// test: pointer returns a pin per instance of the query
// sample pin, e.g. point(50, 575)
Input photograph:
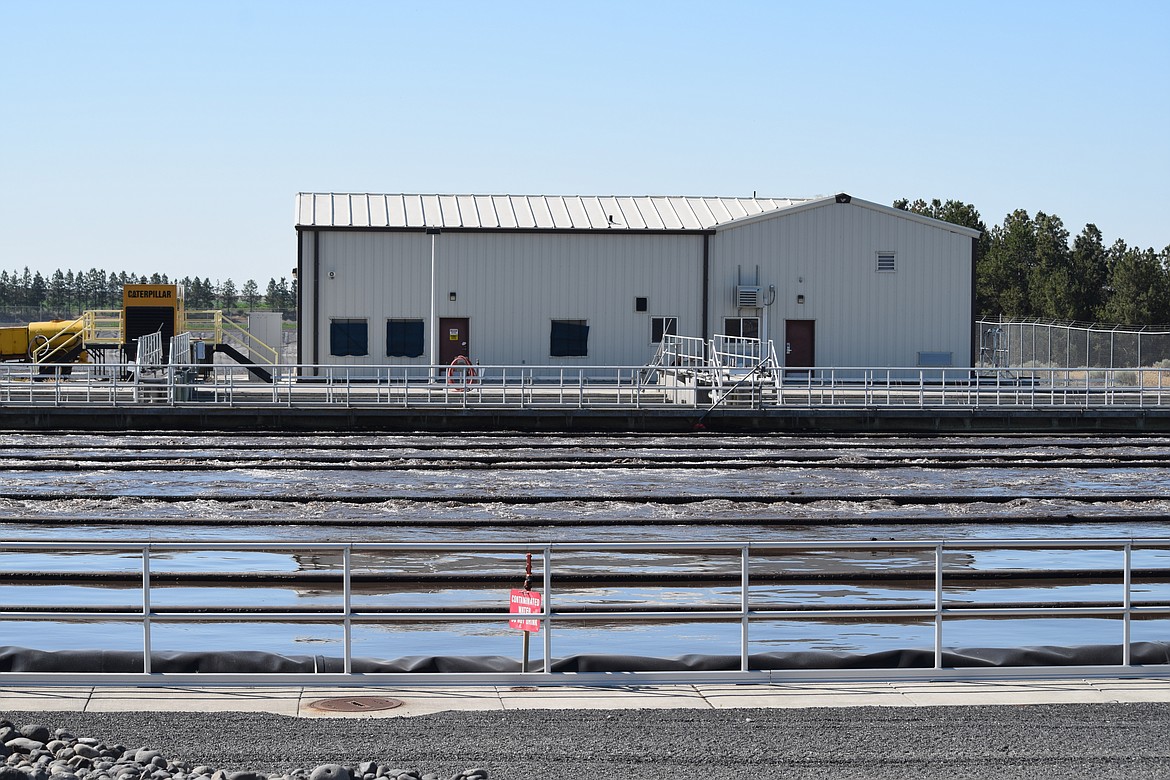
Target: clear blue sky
point(173, 136)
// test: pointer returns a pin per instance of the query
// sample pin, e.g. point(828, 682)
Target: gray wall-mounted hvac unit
point(749, 296)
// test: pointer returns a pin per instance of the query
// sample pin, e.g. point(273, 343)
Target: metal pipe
point(347, 609)
point(146, 644)
point(546, 608)
point(938, 606)
point(1127, 603)
point(745, 606)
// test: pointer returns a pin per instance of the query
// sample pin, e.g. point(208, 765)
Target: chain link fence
point(1047, 344)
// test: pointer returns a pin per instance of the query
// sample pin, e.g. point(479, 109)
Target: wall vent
point(749, 296)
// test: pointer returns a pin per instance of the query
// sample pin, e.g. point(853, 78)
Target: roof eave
point(846, 199)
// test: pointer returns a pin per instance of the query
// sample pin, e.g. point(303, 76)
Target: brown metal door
point(454, 339)
point(799, 343)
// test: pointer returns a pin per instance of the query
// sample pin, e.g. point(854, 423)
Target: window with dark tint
point(404, 338)
point(744, 327)
point(568, 338)
point(662, 326)
point(348, 337)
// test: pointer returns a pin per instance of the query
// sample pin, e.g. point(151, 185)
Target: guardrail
point(214, 326)
point(741, 562)
point(592, 387)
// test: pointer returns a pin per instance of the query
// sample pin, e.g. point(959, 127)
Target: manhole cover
point(356, 704)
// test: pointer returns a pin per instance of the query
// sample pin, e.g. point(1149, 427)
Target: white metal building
point(584, 280)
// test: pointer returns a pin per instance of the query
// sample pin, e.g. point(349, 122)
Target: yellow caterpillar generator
point(112, 337)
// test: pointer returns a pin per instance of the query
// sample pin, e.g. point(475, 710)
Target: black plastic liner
point(19, 659)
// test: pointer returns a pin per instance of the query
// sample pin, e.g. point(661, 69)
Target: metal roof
point(529, 212)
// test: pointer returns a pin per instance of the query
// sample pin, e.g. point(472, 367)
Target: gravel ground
point(1053, 741)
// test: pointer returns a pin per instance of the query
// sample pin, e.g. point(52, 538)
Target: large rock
point(25, 744)
point(330, 772)
point(37, 732)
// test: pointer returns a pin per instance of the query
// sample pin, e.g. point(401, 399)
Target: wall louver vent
point(748, 296)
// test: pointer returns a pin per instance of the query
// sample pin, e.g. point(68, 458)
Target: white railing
point(741, 566)
point(738, 352)
point(589, 387)
point(149, 353)
point(681, 352)
point(180, 349)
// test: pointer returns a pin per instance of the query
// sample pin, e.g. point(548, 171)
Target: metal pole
point(547, 602)
point(146, 610)
point(1127, 604)
point(744, 606)
point(526, 634)
point(938, 605)
point(347, 593)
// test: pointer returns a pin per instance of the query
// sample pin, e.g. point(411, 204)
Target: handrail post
point(347, 606)
point(146, 610)
point(745, 605)
point(547, 602)
point(1127, 605)
point(938, 605)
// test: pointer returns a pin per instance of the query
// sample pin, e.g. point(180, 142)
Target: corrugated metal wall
point(863, 317)
point(511, 286)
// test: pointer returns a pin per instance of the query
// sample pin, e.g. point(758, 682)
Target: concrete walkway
point(299, 702)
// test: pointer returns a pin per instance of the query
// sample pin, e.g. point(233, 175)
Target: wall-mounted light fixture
point(800, 299)
point(451, 296)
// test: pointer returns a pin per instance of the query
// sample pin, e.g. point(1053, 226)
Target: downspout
point(706, 285)
point(434, 323)
point(974, 302)
point(316, 299)
point(300, 273)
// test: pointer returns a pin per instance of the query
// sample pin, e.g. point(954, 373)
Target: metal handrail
point(223, 330)
point(745, 613)
point(600, 387)
point(103, 326)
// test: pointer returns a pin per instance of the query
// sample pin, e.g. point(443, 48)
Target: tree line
point(66, 294)
point(1031, 266)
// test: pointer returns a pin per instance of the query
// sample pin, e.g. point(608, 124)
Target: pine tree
point(251, 294)
point(228, 295)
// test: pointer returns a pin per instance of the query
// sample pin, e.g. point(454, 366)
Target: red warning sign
point(524, 602)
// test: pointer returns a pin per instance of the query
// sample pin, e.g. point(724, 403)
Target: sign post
point(525, 601)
